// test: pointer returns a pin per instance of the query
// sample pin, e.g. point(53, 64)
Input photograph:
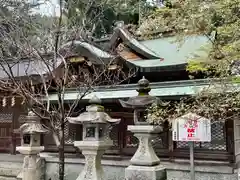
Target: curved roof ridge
point(137, 46)
point(93, 49)
point(86, 49)
point(131, 42)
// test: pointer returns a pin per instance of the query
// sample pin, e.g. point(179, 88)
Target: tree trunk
point(61, 155)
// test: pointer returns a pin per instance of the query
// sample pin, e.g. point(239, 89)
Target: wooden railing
point(125, 144)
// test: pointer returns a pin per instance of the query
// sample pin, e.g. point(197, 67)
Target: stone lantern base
point(93, 151)
point(145, 165)
point(33, 164)
point(133, 172)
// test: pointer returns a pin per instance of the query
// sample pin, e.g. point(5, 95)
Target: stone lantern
point(96, 127)
point(140, 102)
point(144, 163)
point(31, 132)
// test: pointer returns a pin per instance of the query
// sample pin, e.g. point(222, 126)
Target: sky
point(48, 8)
point(51, 7)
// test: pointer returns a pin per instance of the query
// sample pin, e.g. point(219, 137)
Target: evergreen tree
point(186, 17)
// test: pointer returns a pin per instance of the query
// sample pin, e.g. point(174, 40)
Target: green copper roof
point(159, 92)
point(138, 46)
point(164, 89)
point(173, 52)
point(151, 63)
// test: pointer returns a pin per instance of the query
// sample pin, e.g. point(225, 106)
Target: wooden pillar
point(236, 126)
point(170, 145)
point(14, 126)
point(121, 135)
point(230, 138)
point(15, 109)
point(13, 137)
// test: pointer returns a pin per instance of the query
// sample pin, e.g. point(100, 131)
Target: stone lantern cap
point(94, 114)
point(143, 98)
point(32, 125)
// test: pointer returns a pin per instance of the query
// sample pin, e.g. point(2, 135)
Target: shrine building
point(163, 62)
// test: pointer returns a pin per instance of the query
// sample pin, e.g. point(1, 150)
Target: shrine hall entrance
point(6, 132)
point(8, 139)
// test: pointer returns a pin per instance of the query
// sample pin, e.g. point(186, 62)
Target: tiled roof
point(172, 53)
point(28, 68)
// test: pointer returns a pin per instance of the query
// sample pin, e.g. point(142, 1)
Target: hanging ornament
point(23, 101)
point(13, 101)
point(4, 102)
point(32, 86)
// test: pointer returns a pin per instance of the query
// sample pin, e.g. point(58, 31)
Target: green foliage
point(201, 17)
point(99, 16)
point(22, 31)
point(236, 79)
point(213, 105)
point(157, 114)
point(194, 66)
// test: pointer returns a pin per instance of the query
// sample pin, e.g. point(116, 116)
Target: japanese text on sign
point(192, 127)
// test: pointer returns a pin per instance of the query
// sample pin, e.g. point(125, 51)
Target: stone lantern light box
point(31, 131)
point(140, 102)
point(96, 123)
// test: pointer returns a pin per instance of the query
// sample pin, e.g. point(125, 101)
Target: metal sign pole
point(192, 172)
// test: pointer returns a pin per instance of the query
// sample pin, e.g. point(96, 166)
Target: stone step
point(9, 172)
point(7, 178)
